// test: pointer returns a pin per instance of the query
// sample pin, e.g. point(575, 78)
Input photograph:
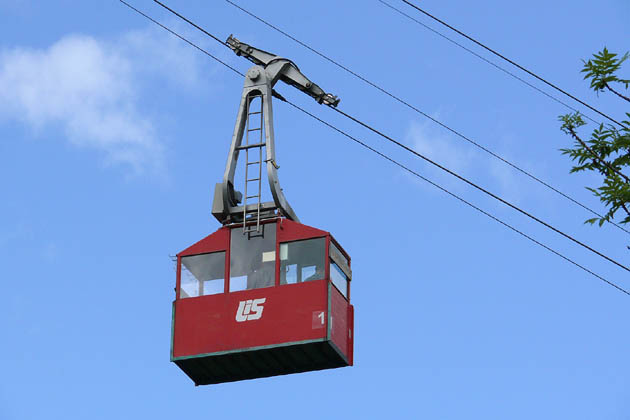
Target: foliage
point(607, 152)
point(601, 70)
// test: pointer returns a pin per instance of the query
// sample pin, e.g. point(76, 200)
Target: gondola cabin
point(264, 295)
point(268, 302)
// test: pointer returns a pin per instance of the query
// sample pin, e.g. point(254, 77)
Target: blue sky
point(114, 133)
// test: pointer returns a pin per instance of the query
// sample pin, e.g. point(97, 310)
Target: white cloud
point(460, 157)
point(442, 149)
point(506, 179)
point(91, 87)
point(158, 53)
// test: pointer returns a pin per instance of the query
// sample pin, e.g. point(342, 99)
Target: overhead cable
point(478, 187)
point(190, 22)
point(402, 166)
point(479, 56)
point(184, 39)
point(485, 191)
point(531, 73)
point(496, 219)
point(417, 110)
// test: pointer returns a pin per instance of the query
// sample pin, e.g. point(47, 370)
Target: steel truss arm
point(230, 206)
point(290, 74)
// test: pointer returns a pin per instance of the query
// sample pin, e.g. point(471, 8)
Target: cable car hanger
point(229, 205)
point(262, 260)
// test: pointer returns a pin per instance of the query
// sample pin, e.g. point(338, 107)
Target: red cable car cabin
point(264, 295)
point(260, 304)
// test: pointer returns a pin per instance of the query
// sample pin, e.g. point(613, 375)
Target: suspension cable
point(485, 191)
point(399, 164)
point(531, 73)
point(417, 110)
point(481, 57)
point(496, 219)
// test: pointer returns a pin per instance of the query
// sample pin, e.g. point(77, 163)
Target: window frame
point(228, 263)
point(336, 267)
point(279, 239)
point(343, 264)
point(178, 286)
point(279, 258)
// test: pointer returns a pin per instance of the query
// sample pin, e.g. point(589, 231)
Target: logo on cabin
point(249, 310)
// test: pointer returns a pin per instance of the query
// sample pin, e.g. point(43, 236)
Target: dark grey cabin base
point(262, 362)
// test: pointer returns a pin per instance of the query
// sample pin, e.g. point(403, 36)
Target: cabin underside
point(262, 362)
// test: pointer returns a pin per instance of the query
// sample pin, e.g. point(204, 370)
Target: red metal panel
point(351, 335)
point(293, 231)
point(194, 323)
point(339, 311)
point(209, 324)
point(218, 241)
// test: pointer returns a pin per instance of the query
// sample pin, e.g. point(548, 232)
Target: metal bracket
point(290, 75)
point(259, 82)
point(273, 162)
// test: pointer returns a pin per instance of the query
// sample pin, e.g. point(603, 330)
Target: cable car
point(264, 295)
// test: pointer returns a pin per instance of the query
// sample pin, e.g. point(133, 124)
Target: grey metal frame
point(259, 82)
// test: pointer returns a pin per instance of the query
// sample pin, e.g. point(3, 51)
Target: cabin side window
point(339, 279)
point(253, 258)
point(202, 275)
point(340, 272)
point(302, 261)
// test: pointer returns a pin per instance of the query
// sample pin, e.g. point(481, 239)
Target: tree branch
point(596, 157)
point(616, 93)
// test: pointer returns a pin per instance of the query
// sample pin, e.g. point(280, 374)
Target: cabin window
point(337, 255)
point(253, 258)
point(339, 270)
point(339, 279)
point(302, 261)
point(202, 275)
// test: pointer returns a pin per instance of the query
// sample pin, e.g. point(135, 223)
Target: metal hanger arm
point(283, 69)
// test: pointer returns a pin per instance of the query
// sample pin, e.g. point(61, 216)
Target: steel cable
point(512, 62)
point(419, 111)
point(485, 191)
point(479, 56)
point(401, 165)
